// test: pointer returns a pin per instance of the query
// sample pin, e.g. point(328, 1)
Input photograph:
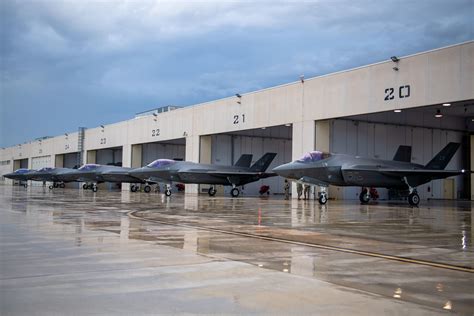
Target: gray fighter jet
point(324, 169)
point(59, 176)
point(93, 174)
point(166, 170)
point(22, 175)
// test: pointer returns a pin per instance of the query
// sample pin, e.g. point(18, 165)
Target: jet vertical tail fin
point(403, 154)
point(441, 160)
point(262, 164)
point(244, 161)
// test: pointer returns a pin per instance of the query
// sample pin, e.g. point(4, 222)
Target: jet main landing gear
point(168, 190)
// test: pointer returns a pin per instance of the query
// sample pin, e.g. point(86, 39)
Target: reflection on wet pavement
point(439, 232)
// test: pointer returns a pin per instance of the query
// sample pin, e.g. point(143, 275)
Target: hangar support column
point(307, 136)
point(198, 149)
point(59, 161)
point(192, 154)
point(91, 156)
point(303, 141)
point(126, 162)
point(136, 161)
point(471, 168)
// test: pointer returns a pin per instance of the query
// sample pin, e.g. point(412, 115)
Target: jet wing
point(435, 174)
point(396, 172)
point(226, 174)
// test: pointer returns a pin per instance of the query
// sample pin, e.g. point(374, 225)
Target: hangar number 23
point(403, 92)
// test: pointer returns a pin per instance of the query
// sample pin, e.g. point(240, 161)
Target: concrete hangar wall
point(292, 119)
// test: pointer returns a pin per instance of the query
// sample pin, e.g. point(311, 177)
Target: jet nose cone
point(282, 170)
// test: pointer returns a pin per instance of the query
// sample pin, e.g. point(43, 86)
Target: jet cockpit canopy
point(89, 167)
point(45, 169)
point(314, 156)
point(21, 171)
point(160, 163)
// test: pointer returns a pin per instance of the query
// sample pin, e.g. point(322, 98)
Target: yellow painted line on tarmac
point(133, 215)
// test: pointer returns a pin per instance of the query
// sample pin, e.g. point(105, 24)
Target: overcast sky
point(66, 64)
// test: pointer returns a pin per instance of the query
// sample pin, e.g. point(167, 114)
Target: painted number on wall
point(239, 119)
point(403, 92)
point(103, 141)
point(155, 132)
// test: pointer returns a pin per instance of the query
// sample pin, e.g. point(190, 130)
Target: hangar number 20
point(403, 92)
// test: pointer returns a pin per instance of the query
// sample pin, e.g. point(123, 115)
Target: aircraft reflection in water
point(324, 169)
point(166, 170)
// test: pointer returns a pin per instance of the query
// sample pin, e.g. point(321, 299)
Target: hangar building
point(424, 100)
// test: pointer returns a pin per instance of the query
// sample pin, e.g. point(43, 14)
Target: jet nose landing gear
point(323, 196)
point(212, 191)
point(414, 198)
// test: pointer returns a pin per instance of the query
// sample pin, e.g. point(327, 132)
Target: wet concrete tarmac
point(73, 251)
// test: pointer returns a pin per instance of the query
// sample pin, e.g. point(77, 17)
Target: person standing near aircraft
point(306, 192)
point(287, 190)
point(299, 190)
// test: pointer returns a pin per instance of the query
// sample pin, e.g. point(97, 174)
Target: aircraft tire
point(147, 189)
point(94, 188)
point(51, 187)
point(234, 192)
point(322, 199)
point(414, 199)
point(25, 185)
point(62, 185)
point(364, 198)
point(55, 185)
point(168, 192)
point(133, 188)
point(212, 191)
point(85, 186)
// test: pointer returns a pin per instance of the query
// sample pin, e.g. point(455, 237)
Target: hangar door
point(38, 163)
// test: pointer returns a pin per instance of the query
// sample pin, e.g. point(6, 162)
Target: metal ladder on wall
point(80, 145)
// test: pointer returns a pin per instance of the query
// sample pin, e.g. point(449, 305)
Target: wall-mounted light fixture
point(240, 97)
point(446, 104)
point(395, 59)
point(397, 111)
point(438, 113)
point(288, 124)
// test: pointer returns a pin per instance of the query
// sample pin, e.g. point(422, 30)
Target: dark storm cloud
point(84, 63)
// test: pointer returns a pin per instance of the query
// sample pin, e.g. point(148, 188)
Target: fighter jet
point(94, 173)
point(166, 170)
point(22, 175)
point(324, 169)
point(59, 176)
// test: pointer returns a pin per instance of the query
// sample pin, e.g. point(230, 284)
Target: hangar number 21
point(239, 119)
point(403, 92)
